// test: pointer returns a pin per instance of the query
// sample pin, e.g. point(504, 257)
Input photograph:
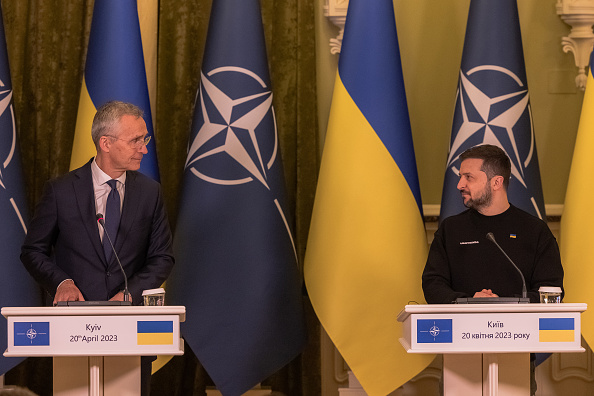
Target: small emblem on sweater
point(512, 236)
point(469, 243)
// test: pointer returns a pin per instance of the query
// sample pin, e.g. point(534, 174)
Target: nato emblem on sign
point(493, 107)
point(434, 331)
point(31, 333)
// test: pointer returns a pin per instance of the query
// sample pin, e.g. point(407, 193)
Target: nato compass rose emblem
point(31, 334)
point(233, 123)
point(7, 126)
point(498, 114)
point(237, 142)
point(434, 331)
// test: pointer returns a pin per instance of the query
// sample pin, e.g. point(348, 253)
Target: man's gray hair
point(108, 115)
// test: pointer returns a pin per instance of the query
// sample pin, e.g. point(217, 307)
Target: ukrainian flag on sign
point(556, 330)
point(154, 332)
point(114, 70)
point(367, 244)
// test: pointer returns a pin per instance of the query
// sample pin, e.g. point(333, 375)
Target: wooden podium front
point(96, 349)
point(487, 347)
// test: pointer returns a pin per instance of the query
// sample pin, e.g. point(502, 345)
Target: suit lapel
point(85, 197)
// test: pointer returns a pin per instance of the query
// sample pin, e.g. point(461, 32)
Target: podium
point(486, 347)
point(96, 349)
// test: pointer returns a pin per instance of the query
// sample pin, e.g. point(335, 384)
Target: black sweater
point(462, 261)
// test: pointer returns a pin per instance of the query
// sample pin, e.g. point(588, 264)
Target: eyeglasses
point(134, 143)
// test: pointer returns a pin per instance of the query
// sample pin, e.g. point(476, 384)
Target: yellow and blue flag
point(154, 332)
point(493, 105)
point(556, 330)
point(236, 267)
point(17, 287)
point(575, 235)
point(114, 70)
point(367, 244)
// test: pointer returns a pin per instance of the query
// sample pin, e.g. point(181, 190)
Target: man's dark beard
point(482, 201)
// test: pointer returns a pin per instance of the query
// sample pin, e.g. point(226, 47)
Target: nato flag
point(493, 106)
point(17, 288)
point(236, 268)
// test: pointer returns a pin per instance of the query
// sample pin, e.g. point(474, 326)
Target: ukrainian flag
point(575, 236)
point(115, 70)
point(154, 332)
point(556, 330)
point(367, 244)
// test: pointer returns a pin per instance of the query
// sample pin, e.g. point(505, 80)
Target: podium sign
point(97, 335)
point(486, 346)
point(96, 349)
point(497, 328)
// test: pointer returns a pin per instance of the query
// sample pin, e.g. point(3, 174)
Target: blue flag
point(17, 288)
point(236, 268)
point(114, 70)
point(493, 106)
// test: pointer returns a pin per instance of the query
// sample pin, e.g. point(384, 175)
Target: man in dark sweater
point(462, 262)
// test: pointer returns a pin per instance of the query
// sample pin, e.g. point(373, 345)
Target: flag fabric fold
point(236, 268)
point(575, 235)
point(493, 105)
point(114, 70)
point(17, 287)
point(367, 243)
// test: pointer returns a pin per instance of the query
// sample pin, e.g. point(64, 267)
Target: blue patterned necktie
point(112, 218)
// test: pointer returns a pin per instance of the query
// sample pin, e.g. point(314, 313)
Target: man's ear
point(497, 182)
point(104, 143)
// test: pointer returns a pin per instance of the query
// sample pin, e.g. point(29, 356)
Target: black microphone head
point(490, 236)
point(99, 217)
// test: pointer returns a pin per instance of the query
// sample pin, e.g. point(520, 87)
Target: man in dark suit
point(63, 249)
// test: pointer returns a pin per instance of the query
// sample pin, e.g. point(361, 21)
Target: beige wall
point(431, 36)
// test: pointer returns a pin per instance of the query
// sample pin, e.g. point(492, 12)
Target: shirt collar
point(100, 177)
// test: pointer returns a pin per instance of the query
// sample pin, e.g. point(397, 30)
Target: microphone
point(491, 237)
point(126, 291)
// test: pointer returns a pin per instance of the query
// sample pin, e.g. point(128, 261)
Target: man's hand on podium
point(67, 291)
point(485, 293)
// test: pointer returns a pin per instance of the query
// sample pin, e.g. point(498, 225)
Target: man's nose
point(461, 184)
point(143, 149)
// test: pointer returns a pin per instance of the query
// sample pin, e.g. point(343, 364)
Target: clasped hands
point(485, 293)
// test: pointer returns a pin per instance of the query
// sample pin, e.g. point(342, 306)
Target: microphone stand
point(491, 237)
point(126, 291)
